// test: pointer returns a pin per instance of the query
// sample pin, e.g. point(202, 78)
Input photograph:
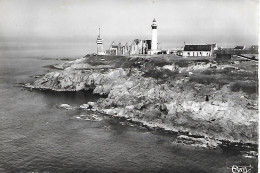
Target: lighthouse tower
point(154, 48)
point(100, 45)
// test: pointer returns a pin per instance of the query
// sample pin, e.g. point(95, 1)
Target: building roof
point(114, 46)
point(239, 47)
point(197, 48)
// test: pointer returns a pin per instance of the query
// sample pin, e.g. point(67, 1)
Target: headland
point(213, 102)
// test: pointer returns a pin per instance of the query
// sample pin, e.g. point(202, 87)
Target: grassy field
point(239, 76)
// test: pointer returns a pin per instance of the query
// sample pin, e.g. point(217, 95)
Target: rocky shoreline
point(248, 150)
point(166, 95)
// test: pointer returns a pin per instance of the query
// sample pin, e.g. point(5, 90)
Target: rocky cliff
point(183, 96)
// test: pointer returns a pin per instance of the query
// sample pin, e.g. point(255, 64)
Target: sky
point(75, 23)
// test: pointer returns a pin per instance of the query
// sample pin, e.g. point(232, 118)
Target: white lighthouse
point(154, 48)
point(100, 50)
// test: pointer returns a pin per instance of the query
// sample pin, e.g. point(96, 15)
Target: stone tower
point(154, 48)
point(100, 50)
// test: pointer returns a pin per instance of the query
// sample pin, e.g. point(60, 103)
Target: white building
point(100, 50)
point(113, 49)
point(198, 50)
point(154, 48)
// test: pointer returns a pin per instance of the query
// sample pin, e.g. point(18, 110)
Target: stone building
point(138, 47)
point(126, 49)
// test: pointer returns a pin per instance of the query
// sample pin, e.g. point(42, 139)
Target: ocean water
point(36, 135)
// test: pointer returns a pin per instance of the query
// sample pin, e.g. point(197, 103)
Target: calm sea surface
point(38, 136)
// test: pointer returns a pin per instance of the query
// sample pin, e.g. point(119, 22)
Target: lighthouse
point(100, 45)
point(154, 48)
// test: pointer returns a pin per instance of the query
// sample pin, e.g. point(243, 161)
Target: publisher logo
point(241, 169)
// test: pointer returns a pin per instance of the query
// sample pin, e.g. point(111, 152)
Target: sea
point(37, 135)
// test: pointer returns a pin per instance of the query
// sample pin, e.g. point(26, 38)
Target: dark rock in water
point(238, 146)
